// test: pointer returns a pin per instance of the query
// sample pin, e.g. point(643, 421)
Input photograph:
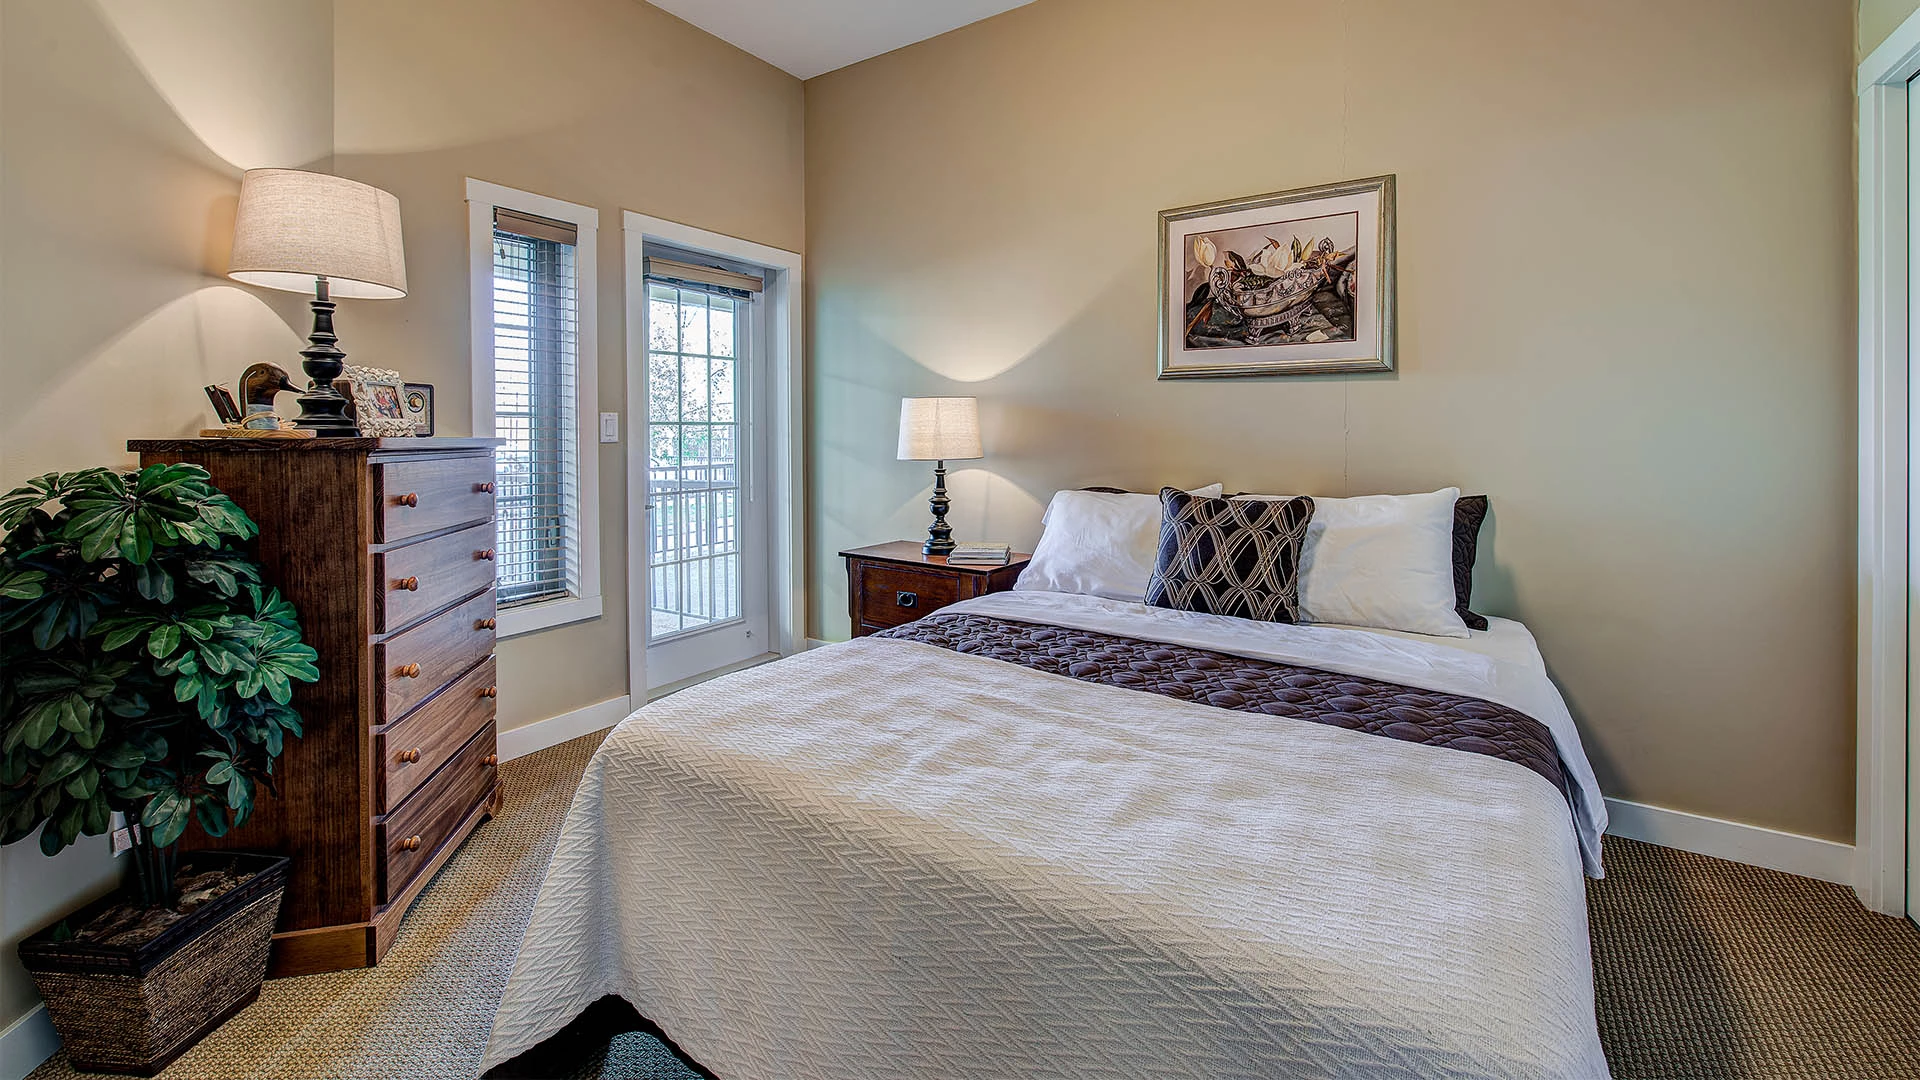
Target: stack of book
point(979, 555)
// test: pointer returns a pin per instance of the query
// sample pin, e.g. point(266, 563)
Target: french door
point(706, 522)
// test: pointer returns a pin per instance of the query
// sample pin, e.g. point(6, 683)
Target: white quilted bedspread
point(883, 859)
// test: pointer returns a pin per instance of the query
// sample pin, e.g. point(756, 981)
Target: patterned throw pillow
point(1238, 557)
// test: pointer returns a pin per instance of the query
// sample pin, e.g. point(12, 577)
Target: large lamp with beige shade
point(301, 231)
point(939, 429)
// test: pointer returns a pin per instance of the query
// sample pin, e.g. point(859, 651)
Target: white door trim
point(786, 417)
point(1880, 787)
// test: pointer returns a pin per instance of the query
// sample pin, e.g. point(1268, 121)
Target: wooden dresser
point(385, 547)
point(896, 583)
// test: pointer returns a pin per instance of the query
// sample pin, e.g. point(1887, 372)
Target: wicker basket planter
point(134, 1009)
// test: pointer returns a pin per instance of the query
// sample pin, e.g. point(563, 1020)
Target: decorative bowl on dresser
point(891, 584)
point(385, 545)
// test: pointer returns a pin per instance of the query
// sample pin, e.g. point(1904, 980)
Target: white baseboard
point(816, 643)
point(1756, 845)
point(554, 730)
point(26, 1043)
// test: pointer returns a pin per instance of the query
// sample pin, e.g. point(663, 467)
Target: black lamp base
point(322, 408)
point(939, 534)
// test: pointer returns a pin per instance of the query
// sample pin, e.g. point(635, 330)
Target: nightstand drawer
point(892, 595)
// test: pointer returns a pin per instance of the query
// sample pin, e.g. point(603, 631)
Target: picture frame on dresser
point(385, 546)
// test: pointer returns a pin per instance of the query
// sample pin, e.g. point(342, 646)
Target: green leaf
point(61, 766)
point(22, 584)
point(165, 817)
point(164, 640)
point(84, 783)
point(37, 726)
point(211, 816)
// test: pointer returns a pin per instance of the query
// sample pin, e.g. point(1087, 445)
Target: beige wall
point(1625, 313)
point(124, 129)
point(1876, 20)
point(617, 105)
point(122, 138)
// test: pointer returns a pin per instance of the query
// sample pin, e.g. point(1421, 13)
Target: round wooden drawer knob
point(410, 584)
point(411, 843)
point(409, 757)
point(487, 554)
point(493, 760)
point(485, 624)
point(409, 499)
point(486, 487)
point(409, 671)
point(491, 691)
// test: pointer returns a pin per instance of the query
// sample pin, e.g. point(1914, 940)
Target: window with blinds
point(536, 362)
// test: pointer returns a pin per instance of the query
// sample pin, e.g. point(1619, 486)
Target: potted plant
point(145, 669)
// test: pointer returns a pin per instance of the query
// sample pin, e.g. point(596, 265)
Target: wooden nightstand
point(890, 584)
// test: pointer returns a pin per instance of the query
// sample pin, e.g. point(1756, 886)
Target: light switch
point(609, 427)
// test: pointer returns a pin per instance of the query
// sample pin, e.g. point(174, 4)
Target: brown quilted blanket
point(1249, 685)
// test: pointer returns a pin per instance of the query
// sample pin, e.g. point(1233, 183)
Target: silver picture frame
point(1286, 309)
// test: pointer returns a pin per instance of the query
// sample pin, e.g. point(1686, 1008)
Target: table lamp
point(939, 429)
point(301, 231)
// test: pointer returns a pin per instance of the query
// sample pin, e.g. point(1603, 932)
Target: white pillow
point(1098, 544)
point(1384, 561)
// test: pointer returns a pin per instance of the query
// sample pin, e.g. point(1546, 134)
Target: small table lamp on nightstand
point(939, 429)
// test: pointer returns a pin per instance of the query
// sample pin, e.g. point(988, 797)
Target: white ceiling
point(811, 37)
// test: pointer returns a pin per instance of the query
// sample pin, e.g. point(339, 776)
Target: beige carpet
point(1704, 969)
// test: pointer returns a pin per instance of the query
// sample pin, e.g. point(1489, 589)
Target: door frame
point(786, 413)
point(1886, 411)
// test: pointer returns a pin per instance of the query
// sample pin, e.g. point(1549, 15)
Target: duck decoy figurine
point(258, 385)
point(260, 382)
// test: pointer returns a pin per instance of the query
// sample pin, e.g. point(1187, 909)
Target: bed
point(962, 850)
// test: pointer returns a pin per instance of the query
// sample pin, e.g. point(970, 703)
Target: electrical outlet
point(120, 836)
point(609, 427)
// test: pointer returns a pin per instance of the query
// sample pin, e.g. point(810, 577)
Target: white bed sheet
point(1501, 664)
point(885, 859)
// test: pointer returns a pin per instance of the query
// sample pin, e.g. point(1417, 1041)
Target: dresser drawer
point(419, 662)
point(412, 749)
point(420, 579)
point(891, 595)
point(411, 836)
point(419, 497)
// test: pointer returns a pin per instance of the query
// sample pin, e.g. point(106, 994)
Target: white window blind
point(536, 361)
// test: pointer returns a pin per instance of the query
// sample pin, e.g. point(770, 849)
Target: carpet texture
point(1704, 969)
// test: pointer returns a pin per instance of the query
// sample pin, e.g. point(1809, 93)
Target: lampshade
point(939, 428)
point(293, 227)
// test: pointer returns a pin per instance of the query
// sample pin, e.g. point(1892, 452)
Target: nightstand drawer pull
point(906, 599)
point(407, 584)
point(411, 498)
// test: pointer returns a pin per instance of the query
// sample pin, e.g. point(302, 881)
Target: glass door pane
point(693, 466)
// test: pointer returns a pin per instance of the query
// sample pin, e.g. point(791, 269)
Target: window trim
point(482, 198)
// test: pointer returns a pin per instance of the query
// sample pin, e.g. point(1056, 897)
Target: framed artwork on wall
point(1293, 283)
